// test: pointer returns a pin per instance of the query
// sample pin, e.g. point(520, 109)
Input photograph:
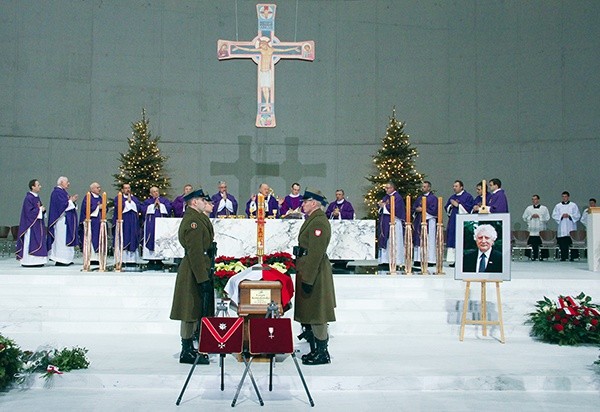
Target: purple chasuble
point(464, 199)
point(384, 219)
point(94, 220)
point(290, 203)
point(177, 206)
point(345, 208)
point(37, 228)
point(216, 199)
point(273, 206)
point(431, 206)
point(497, 202)
point(131, 223)
point(59, 201)
point(149, 219)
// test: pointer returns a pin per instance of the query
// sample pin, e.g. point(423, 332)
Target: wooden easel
point(483, 322)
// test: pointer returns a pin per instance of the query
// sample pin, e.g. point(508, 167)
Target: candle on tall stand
point(392, 238)
point(88, 205)
point(120, 206)
point(408, 244)
point(483, 208)
point(424, 247)
point(103, 205)
point(260, 228)
point(392, 210)
point(423, 209)
point(439, 241)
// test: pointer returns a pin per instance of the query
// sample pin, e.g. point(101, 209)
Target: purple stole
point(273, 206)
point(497, 202)
point(149, 219)
point(216, 199)
point(131, 224)
point(384, 219)
point(37, 229)
point(466, 200)
point(59, 201)
point(431, 206)
point(290, 203)
point(346, 210)
point(95, 221)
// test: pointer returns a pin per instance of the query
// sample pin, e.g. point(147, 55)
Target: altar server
point(31, 248)
point(566, 214)
point(62, 224)
point(497, 201)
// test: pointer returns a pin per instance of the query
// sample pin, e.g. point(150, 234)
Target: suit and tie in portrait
point(485, 258)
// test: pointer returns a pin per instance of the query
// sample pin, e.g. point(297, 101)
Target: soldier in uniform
point(315, 294)
point(193, 287)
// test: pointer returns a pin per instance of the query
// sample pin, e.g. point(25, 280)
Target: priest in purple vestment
point(292, 203)
point(461, 202)
point(178, 203)
point(341, 209)
point(155, 206)
point(497, 201)
point(271, 203)
point(478, 199)
point(95, 218)
point(132, 208)
point(384, 225)
point(62, 224)
point(431, 212)
point(224, 203)
point(31, 248)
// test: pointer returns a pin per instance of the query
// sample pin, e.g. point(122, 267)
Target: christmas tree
point(394, 163)
point(142, 165)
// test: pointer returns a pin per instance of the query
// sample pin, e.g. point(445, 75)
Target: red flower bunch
point(569, 321)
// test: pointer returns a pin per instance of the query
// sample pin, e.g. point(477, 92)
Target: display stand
point(483, 322)
point(269, 336)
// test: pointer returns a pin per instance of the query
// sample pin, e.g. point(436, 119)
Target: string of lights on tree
point(395, 162)
point(142, 165)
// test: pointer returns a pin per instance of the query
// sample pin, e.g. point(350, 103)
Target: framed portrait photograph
point(483, 246)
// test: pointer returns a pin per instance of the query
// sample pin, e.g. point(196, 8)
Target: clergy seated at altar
point(62, 224)
point(290, 207)
point(341, 209)
point(155, 206)
point(95, 217)
point(131, 208)
point(271, 203)
point(178, 204)
point(224, 203)
point(31, 248)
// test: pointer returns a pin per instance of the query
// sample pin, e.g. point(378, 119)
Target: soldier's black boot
point(188, 353)
point(310, 338)
point(321, 356)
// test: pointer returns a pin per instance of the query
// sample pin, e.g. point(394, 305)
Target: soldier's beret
point(314, 195)
point(195, 195)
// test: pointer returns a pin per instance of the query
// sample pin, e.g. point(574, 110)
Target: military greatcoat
point(314, 269)
point(196, 236)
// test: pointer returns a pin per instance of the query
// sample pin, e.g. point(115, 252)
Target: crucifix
point(266, 50)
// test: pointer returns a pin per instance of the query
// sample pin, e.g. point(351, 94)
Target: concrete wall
point(507, 89)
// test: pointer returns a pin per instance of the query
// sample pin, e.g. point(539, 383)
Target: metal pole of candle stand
point(424, 238)
point(439, 241)
point(118, 250)
point(102, 246)
point(87, 245)
point(408, 243)
point(392, 238)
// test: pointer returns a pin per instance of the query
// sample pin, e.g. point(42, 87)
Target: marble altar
point(350, 239)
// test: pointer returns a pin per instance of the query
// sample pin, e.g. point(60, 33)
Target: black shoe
point(321, 355)
point(383, 266)
point(451, 265)
point(94, 262)
point(63, 264)
point(33, 266)
point(430, 265)
point(188, 353)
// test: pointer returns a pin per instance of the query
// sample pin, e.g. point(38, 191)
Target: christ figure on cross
point(266, 50)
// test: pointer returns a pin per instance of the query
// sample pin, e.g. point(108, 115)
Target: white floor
point(395, 346)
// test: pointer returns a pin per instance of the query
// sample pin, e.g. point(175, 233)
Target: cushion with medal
point(221, 335)
point(270, 335)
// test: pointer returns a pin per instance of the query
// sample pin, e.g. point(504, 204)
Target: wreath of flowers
point(568, 321)
point(228, 266)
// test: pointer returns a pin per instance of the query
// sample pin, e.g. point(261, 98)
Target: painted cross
point(266, 50)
